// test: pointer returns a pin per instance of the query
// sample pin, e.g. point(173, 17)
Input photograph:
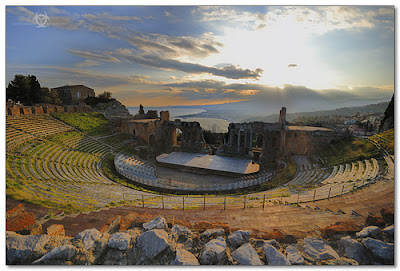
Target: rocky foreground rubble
point(128, 240)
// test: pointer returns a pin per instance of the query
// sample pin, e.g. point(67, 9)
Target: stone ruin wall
point(241, 136)
point(308, 142)
point(17, 110)
point(277, 141)
point(192, 134)
point(162, 132)
point(144, 130)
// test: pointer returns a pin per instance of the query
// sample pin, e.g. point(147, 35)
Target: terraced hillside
point(51, 164)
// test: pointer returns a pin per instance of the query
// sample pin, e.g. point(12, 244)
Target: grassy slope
point(89, 123)
point(348, 150)
point(386, 140)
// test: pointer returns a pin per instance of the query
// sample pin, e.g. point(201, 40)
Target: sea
point(216, 125)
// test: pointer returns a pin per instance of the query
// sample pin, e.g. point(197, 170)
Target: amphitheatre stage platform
point(211, 163)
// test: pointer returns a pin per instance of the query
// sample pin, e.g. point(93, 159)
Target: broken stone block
point(56, 230)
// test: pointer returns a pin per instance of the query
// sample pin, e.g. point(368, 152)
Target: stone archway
point(21, 111)
point(177, 137)
point(9, 112)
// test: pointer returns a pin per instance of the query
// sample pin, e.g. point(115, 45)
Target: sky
point(197, 55)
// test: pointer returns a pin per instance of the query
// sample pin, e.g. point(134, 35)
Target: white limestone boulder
point(19, 248)
point(63, 253)
point(389, 230)
point(152, 243)
point(319, 249)
point(88, 237)
point(381, 250)
point(157, 223)
point(352, 249)
point(294, 256)
point(120, 241)
point(273, 256)
point(184, 257)
point(214, 252)
point(371, 231)
point(178, 231)
point(246, 255)
point(212, 233)
point(238, 238)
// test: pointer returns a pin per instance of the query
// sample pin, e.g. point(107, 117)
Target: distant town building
point(74, 94)
point(350, 122)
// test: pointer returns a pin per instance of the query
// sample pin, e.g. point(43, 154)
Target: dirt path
point(291, 220)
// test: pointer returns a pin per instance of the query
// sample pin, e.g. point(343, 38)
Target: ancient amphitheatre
point(80, 180)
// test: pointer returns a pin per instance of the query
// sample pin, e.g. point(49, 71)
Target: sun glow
point(272, 49)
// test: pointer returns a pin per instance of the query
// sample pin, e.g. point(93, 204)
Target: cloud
point(292, 65)
point(88, 62)
point(317, 19)
point(231, 71)
point(229, 15)
point(64, 22)
point(174, 46)
point(107, 16)
point(56, 10)
point(96, 56)
point(214, 89)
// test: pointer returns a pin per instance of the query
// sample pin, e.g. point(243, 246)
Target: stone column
point(238, 140)
point(245, 139)
point(251, 140)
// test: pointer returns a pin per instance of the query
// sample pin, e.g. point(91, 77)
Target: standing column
point(238, 140)
point(251, 140)
point(245, 139)
point(230, 137)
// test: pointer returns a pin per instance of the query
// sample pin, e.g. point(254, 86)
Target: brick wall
point(17, 110)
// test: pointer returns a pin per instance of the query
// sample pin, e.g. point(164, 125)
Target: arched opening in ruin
point(177, 137)
point(152, 140)
point(45, 110)
point(258, 141)
point(9, 112)
point(21, 111)
point(33, 111)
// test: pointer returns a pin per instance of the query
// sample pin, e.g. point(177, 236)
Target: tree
point(106, 95)
point(25, 89)
point(50, 96)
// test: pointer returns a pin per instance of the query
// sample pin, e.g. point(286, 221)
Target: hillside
point(345, 111)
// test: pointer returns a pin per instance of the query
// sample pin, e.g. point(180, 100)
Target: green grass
point(386, 140)
point(89, 123)
point(349, 150)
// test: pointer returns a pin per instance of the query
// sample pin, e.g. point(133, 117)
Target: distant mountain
point(345, 111)
point(259, 109)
